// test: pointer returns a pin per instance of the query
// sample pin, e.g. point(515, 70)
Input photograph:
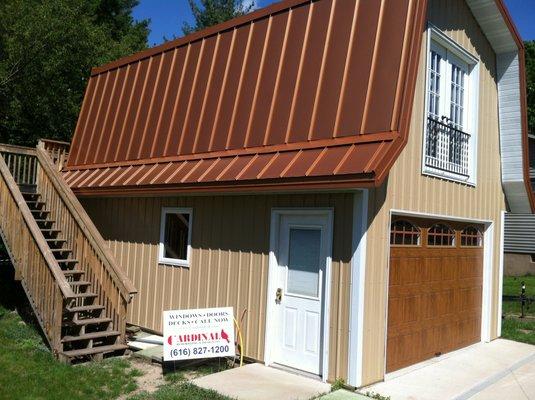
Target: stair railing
point(109, 281)
point(58, 151)
point(35, 266)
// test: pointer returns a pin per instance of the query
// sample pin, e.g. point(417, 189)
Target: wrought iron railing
point(446, 148)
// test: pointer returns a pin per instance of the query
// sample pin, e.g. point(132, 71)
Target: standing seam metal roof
point(299, 94)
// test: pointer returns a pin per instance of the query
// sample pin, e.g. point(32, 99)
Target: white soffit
point(495, 28)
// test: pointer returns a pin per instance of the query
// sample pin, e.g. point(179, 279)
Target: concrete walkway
point(258, 382)
point(501, 369)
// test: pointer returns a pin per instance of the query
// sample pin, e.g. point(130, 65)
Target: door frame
point(488, 254)
point(276, 214)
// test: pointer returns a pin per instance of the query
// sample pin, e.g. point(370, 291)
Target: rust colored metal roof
point(299, 94)
point(343, 165)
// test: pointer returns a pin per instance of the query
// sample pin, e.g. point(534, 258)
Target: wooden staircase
point(74, 285)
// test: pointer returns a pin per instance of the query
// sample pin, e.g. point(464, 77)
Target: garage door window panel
point(404, 233)
point(471, 237)
point(441, 235)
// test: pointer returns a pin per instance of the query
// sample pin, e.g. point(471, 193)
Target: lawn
point(519, 330)
point(29, 371)
point(511, 287)
point(180, 391)
point(514, 328)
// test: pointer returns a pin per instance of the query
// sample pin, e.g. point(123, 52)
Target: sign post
point(198, 333)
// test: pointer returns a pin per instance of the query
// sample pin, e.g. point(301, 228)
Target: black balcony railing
point(446, 148)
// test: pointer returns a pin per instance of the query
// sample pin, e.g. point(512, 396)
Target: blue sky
point(168, 16)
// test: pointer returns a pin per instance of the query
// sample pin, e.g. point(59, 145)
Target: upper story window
point(451, 110)
point(175, 236)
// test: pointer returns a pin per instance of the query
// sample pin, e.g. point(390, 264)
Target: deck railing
point(41, 277)
point(446, 148)
point(108, 280)
point(57, 151)
point(21, 163)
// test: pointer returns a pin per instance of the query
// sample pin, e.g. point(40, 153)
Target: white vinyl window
point(451, 110)
point(175, 236)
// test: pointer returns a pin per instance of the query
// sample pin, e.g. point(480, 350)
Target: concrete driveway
point(501, 369)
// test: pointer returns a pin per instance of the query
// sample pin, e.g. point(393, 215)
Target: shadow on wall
point(226, 222)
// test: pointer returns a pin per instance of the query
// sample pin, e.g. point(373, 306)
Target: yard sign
point(198, 333)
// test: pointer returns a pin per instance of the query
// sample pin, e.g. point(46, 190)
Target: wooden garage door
point(435, 289)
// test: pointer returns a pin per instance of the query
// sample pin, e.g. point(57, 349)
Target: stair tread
point(73, 272)
point(67, 260)
point(24, 193)
point(85, 295)
point(92, 335)
point(35, 202)
point(95, 350)
point(61, 250)
point(56, 240)
point(79, 283)
point(85, 308)
point(87, 321)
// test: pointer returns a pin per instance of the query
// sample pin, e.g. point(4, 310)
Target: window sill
point(449, 176)
point(173, 263)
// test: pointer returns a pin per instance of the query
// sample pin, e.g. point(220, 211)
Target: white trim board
point(358, 274)
point(269, 333)
point(500, 275)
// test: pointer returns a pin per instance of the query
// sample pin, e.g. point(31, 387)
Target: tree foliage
point(530, 84)
point(212, 12)
point(47, 49)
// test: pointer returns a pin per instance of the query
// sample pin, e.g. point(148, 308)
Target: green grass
point(519, 330)
point(180, 391)
point(177, 386)
point(30, 372)
point(511, 285)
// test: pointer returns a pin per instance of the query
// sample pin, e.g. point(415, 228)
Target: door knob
point(278, 296)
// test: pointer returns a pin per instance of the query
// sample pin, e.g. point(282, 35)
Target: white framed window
point(451, 110)
point(175, 236)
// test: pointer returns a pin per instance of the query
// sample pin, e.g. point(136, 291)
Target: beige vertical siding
point(407, 189)
point(229, 266)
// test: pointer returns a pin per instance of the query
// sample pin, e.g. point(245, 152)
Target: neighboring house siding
point(407, 189)
point(229, 265)
point(519, 233)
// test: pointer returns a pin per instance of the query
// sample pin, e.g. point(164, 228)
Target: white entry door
point(299, 296)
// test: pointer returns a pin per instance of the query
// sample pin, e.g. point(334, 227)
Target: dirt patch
point(150, 379)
